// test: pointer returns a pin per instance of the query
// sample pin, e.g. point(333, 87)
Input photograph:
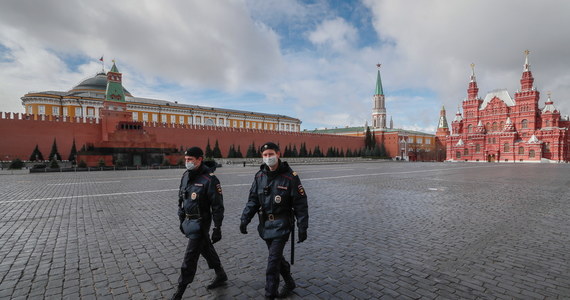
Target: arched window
point(458, 154)
point(521, 150)
point(466, 151)
point(547, 123)
point(524, 124)
point(507, 147)
point(477, 148)
point(488, 126)
point(494, 126)
point(209, 122)
point(469, 128)
point(531, 153)
point(502, 125)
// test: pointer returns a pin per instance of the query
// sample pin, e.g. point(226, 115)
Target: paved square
point(376, 230)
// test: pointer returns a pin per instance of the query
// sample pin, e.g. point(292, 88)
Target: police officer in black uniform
point(200, 202)
point(279, 198)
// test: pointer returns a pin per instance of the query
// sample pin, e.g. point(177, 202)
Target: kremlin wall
point(112, 131)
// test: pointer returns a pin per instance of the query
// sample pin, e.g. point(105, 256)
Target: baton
point(293, 244)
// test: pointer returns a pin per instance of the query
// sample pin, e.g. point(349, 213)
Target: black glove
point(243, 228)
point(182, 230)
point(181, 214)
point(302, 236)
point(216, 235)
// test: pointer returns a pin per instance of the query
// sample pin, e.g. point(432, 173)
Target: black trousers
point(194, 248)
point(276, 264)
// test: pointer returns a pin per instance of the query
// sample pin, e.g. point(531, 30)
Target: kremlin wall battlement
point(22, 132)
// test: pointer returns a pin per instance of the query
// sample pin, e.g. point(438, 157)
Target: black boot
point(288, 287)
point(179, 292)
point(219, 280)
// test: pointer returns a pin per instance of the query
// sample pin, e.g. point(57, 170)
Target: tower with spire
point(114, 109)
point(527, 97)
point(379, 110)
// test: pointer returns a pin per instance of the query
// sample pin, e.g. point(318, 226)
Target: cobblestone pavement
point(377, 230)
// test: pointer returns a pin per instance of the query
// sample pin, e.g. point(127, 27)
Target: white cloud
point(336, 33)
point(437, 40)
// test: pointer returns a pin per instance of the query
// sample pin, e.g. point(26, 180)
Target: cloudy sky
point(313, 60)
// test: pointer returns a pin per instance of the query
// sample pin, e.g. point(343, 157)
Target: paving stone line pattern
point(377, 231)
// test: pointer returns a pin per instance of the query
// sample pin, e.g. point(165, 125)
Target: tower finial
point(378, 65)
point(526, 64)
point(472, 72)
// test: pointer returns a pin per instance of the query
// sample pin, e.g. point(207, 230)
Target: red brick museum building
point(499, 128)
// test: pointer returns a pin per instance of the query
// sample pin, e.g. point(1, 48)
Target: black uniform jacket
point(200, 196)
point(277, 196)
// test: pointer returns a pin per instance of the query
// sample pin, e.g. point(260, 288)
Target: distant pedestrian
point(279, 198)
point(200, 202)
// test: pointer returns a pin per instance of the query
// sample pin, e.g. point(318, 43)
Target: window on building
point(29, 109)
point(154, 117)
point(287, 127)
point(145, 117)
point(90, 112)
point(524, 124)
point(531, 153)
point(495, 126)
point(41, 110)
point(547, 123)
point(494, 140)
point(507, 147)
point(241, 124)
point(135, 116)
point(546, 147)
point(489, 141)
point(502, 125)
point(55, 110)
point(470, 128)
point(488, 126)
point(221, 122)
point(209, 122)
point(466, 151)
point(181, 120)
point(428, 141)
point(419, 140)
point(198, 120)
point(458, 154)
point(78, 112)
point(477, 148)
point(235, 123)
point(410, 140)
point(163, 118)
point(521, 150)
point(246, 124)
point(172, 119)
point(65, 112)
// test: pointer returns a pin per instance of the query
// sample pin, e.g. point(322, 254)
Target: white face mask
point(270, 160)
point(190, 166)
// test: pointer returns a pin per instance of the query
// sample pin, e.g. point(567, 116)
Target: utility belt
point(273, 217)
point(193, 217)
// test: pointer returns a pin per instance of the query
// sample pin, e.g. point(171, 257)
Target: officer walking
point(200, 201)
point(279, 198)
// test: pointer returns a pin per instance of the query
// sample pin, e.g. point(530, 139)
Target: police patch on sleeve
point(219, 188)
point(194, 196)
point(301, 190)
point(277, 199)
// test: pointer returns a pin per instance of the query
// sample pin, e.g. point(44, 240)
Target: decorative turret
point(480, 128)
point(379, 111)
point(549, 106)
point(391, 123)
point(533, 140)
point(115, 90)
point(473, 90)
point(509, 127)
point(458, 117)
point(527, 80)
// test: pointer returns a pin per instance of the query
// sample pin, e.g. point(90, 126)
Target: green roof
point(379, 90)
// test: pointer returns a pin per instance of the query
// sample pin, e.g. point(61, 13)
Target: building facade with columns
point(501, 128)
point(86, 100)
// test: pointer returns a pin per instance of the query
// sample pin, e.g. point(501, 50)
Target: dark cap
point(194, 151)
point(269, 146)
